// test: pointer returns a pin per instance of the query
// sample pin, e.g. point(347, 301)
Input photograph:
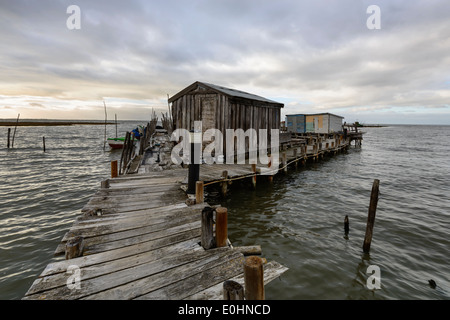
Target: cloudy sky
point(313, 56)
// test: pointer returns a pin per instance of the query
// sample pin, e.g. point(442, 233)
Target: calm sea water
point(298, 220)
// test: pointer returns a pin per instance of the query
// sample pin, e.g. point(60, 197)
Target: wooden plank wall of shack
point(221, 111)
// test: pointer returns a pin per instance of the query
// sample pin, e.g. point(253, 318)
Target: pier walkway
point(139, 235)
point(140, 240)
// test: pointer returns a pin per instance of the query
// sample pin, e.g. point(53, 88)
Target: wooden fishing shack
point(223, 108)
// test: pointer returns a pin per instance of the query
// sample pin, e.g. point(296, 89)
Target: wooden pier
point(139, 236)
point(138, 239)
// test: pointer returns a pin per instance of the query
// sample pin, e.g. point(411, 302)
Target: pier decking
point(138, 238)
point(142, 241)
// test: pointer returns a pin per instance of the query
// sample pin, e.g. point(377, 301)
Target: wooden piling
point(224, 183)
point(284, 162)
point(43, 142)
point(371, 215)
point(199, 197)
point(9, 135)
point(221, 227)
point(346, 226)
point(74, 248)
point(232, 290)
point(254, 176)
point(270, 176)
point(207, 237)
point(114, 169)
point(104, 184)
point(254, 278)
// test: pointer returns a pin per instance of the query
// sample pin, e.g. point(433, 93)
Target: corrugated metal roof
point(226, 91)
point(237, 93)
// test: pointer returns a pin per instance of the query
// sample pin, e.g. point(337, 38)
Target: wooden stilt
point(114, 169)
point(224, 183)
point(221, 227)
point(371, 216)
point(199, 197)
point(254, 278)
point(207, 238)
point(232, 290)
point(9, 135)
point(254, 176)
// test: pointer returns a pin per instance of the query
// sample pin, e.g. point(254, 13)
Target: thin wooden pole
point(254, 175)
point(270, 176)
point(221, 227)
point(115, 120)
point(371, 215)
point(9, 134)
point(106, 119)
point(232, 290)
point(199, 192)
point(284, 160)
point(14, 134)
point(254, 278)
point(43, 142)
point(207, 237)
point(224, 183)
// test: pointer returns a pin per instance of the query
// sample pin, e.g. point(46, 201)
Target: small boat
point(116, 143)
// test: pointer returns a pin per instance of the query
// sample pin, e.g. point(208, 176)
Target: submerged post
point(254, 278)
point(346, 226)
point(371, 216)
point(9, 135)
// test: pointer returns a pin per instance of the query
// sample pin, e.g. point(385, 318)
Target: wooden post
point(371, 216)
point(104, 184)
point(225, 183)
point(270, 176)
point(254, 175)
point(207, 237)
point(221, 227)
point(9, 135)
point(114, 169)
point(199, 192)
point(43, 142)
point(232, 290)
point(346, 226)
point(254, 278)
point(14, 134)
point(74, 248)
point(296, 157)
point(284, 161)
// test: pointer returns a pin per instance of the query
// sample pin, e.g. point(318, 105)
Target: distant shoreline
point(49, 123)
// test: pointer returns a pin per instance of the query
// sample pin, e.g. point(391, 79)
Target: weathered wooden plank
point(102, 244)
point(128, 283)
point(147, 281)
point(199, 281)
point(59, 279)
point(61, 266)
point(133, 224)
point(272, 270)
